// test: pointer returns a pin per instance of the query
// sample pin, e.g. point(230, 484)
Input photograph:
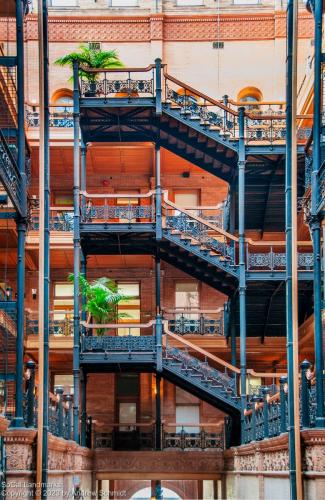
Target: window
point(127, 395)
point(63, 304)
point(123, 3)
point(187, 297)
point(63, 200)
point(130, 307)
point(188, 415)
point(187, 198)
point(188, 3)
point(63, 3)
point(250, 94)
point(246, 2)
point(64, 381)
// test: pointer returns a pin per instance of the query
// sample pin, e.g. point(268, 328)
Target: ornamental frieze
point(158, 27)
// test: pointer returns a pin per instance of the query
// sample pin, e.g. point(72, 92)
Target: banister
point(117, 325)
point(214, 102)
point(199, 219)
point(118, 70)
point(229, 235)
point(117, 195)
point(193, 310)
point(205, 353)
point(218, 425)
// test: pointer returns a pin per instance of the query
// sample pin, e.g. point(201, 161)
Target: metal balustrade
point(60, 407)
point(195, 322)
point(127, 437)
point(61, 219)
point(192, 437)
point(271, 260)
point(11, 177)
point(60, 327)
point(128, 83)
point(266, 414)
point(117, 208)
point(60, 116)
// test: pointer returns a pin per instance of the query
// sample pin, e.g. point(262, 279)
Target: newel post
point(158, 86)
point(304, 394)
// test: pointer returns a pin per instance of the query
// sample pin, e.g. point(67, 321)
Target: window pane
point(127, 384)
point(246, 2)
point(188, 415)
point(124, 3)
point(129, 289)
point(65, 381)
point(63, 290)
point(63, 3)
point(187, 199)
point(187, 295)
point(189, 2)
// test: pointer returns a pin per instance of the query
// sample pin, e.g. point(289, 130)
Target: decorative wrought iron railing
point(60, 116)
point(267, 410)
point(192, 437)
point(117, 208)
point(195, 322)
point(61, 323)
point(118, 338)
point(272, 260)
point(119, 83)
point(195, 105)
point(127, 437)
point(321, 187)
point(61, 219)
point(210, 236)
point(10, 175)
point(60, 407)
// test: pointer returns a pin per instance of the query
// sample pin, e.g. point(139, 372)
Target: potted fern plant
point(90, 57)
point(102, 299)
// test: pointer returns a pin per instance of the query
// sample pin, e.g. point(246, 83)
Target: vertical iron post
point(158, 193)
point(158, 86)
point(291, 254)
point(83, 384)
point(265, 392)
point(304, 394)
point(315, 219)
point(18, 420)
point(68, 399)
point(59, 393)
point(30, 420)
point(233, 333)
point(283, 405)
point(76, 250)
point(242, 267)
point(158, 412)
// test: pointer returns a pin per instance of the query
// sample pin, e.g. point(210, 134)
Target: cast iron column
point(315, 220)
point(242, 266)
point(76, 252)
point(18, 420)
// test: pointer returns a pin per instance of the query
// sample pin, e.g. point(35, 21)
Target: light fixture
point(34, 293)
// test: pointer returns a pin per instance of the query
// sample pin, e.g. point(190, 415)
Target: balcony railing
point(61, 219)
point(117, 208)
point(195, 322)
point(267, 411)
point(10, 175)
point(59, 327)
point(60, 407)
point(192, 437)
point(174, 436)
point(60, 116)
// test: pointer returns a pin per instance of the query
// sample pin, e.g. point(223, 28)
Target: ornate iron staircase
point(177, 359)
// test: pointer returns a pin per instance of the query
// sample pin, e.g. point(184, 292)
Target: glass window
point(187, 295)
point(124, 3)
point(63, 200)
point(188, 415)
point(246, 2)
point(187, 199)
point(63, 302)
point(63, 3)
point(64, 381)
point(129, 307)
point(127, 385)
point(185, 3)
